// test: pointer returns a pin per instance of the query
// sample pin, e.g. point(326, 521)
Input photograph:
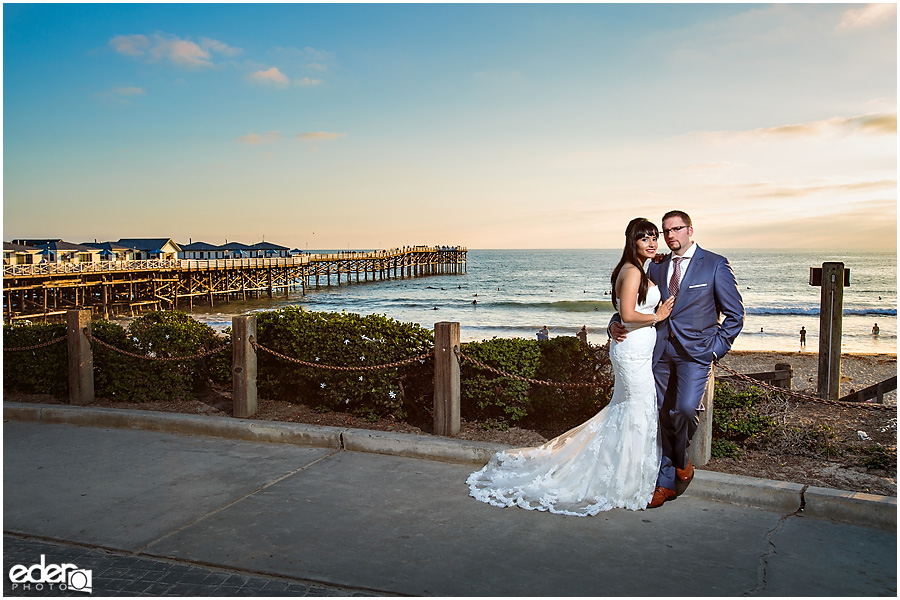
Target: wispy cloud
point(167, 47)
point(874, 124)
point(319, 136)
point(270, 76)
point(308, 82)
point(870, 15)
point(130, 91)
point(120, 95)
point(258, 139)
point(308, 58)
point(765, 190)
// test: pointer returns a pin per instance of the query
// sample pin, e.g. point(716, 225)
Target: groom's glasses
point(674, 229)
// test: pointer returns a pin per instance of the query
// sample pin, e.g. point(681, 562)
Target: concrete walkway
point(390, 524)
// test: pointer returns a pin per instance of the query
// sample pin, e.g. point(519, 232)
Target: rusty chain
point(156, 358)
point(460, 354)
point(802, 396)
point(36, 346)
point(740, 376)
point(399, 363)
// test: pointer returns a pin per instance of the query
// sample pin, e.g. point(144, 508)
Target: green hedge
point(41, 371)
point(501, 401)
point(119, 377)
point(343, 340)
point(334, 339)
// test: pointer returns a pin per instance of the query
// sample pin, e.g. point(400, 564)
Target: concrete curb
point(869, 510)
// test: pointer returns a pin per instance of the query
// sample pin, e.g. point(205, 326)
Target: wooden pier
point(110, 288)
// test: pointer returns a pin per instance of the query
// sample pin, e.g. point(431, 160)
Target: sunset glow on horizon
point(486, 125)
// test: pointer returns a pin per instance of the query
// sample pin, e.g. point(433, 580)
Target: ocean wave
point(561, 305)
point(802, 311)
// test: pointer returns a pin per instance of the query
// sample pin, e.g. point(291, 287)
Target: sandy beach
point(863, 370)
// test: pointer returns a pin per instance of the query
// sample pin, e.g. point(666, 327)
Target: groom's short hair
point(680, 214)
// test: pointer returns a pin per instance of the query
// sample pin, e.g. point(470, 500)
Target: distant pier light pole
point(833, 278)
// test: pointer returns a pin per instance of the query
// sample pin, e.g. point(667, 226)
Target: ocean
point(519, 291)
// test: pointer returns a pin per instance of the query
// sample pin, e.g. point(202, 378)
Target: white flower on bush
point(392, 394)
point(347, 401)
point(360, 377)
point(317, 359)
point(346, 342)
point(362, 358)
point(322, 385)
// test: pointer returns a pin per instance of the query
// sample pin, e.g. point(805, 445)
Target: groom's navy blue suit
point(686, 345)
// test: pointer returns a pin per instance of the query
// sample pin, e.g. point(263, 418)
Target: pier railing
point(106, 266)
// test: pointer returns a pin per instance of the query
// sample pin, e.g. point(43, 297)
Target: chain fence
point(802, 396)
point(36, 346)
point(479, 364)
point(740, 376)
point(154, 358)
point(392, 365)
point(422, 357)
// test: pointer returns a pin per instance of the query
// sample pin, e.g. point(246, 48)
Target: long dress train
point(610, 461)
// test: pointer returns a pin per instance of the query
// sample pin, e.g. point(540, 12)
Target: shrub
point(499, 401)
point(736, 414)
point(346, 339)
point(725, 449)
point(568, 360)
point(41, 371)
point(161, 334)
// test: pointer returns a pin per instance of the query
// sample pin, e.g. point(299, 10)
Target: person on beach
point(802, 337)
point(875, 330)
point(543, 334)
point(703, 286)
point(612, 460)
point(582, 335)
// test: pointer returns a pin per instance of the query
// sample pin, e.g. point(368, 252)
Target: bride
point(612, 460)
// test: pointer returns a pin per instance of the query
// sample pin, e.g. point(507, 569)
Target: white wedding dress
point(610, 461)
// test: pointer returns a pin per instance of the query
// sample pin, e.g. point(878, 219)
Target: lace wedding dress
point(610, 461)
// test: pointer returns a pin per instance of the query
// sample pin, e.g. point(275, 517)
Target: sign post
point(832, 278)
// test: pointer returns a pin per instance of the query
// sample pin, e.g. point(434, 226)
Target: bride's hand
point(665, 309)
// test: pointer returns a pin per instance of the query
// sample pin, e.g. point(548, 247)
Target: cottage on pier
point(19, 254)
point(202, 251)
point(152, 248)
point(112, 251)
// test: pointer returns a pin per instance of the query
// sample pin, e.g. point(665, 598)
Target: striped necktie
point(676, 275)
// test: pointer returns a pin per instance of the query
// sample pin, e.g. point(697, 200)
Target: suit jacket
point(708, 290)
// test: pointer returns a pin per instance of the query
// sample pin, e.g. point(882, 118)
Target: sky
point(485, 125)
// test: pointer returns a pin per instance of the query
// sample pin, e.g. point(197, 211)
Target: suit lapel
point(662, 277)
point(693, 269)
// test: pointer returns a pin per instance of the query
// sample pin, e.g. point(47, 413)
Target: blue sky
point(491, 126)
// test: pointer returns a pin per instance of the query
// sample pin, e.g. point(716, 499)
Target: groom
point(688, 342)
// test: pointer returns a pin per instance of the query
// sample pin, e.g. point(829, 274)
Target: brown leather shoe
point(685, 474)
point(660, 495)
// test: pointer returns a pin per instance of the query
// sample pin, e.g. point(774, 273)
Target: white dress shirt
point(686, 261)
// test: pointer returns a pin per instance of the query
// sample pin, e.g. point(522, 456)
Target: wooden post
point(81, 358)
point(446, 379)
point(833, 278)
point(700, 450)
point(243, 329)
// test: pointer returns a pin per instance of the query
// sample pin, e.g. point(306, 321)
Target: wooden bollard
point(243, 366)
point(81, 358)
point(700, 450)
point(446, 378)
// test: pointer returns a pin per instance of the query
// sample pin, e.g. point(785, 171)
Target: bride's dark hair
point(638, 228)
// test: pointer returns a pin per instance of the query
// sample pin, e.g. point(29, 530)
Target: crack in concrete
point(143, 548)
point(761, 573)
